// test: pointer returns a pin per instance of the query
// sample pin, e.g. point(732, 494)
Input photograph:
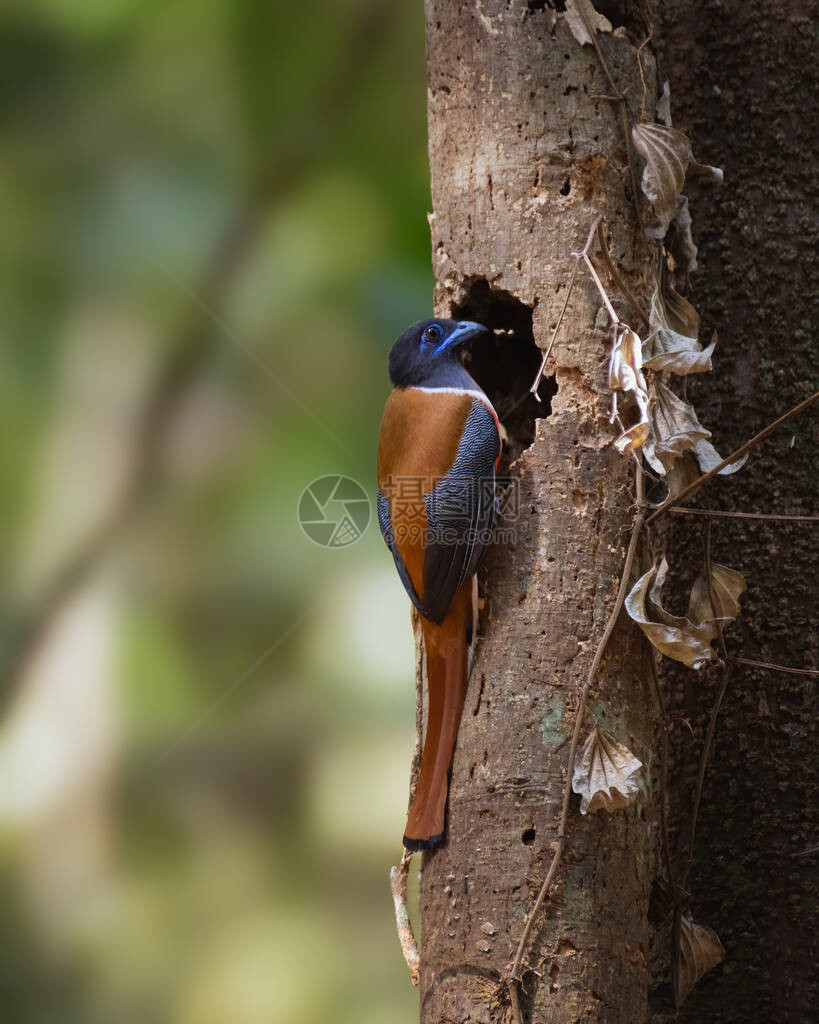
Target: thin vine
point(677, 499)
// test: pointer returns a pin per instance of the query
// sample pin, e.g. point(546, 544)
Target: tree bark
point(744, 82)
point(525, 151)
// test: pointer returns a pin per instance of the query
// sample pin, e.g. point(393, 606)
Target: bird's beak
point(465, 329)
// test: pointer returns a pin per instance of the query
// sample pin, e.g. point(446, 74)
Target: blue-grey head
point(425, 354)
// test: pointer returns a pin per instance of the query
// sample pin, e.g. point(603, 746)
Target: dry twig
point(673, 502)
point(712, 721)
point(663, 794)
point(398, 886)
point(617, 277)
point(548, 352)
point(775, 668)
point(645, 42)
point(742, 515)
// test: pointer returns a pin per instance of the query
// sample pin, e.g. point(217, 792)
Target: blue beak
point(465, 329)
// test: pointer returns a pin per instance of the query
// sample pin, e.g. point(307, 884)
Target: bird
point(438, 453)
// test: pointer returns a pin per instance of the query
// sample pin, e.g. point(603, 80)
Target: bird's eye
point(432, 333)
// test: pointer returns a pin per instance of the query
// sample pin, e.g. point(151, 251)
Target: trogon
point(437, 456)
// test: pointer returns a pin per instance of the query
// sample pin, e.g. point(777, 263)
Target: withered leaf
point(669, 308)
point(682, 474)
point(676, 353)
point(574, 15)
point(664, 105)
point(667, 154)
point(692, 464)
point(707, 456)
point(720, 602)
point(699, 951)
point(673, 635)
point(626, 374)
point(625, 361)
point(605, 774)
point(681, 242)
point(674, 429)
point(674, 323)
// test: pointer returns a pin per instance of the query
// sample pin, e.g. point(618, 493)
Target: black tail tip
point(415, 845)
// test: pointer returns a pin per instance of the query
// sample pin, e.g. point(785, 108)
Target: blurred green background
point(205, 738)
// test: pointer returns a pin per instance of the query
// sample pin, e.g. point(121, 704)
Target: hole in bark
point(505, 363)
point(541, 5)
point(478, 705)
point(620, 16)
point(566, 187)
point(528, 837)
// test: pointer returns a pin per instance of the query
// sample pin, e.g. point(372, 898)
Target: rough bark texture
point(524, 151)
point(743, 86)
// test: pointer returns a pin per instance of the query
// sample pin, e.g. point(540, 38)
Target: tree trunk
point(743, 86)
point(525, 151)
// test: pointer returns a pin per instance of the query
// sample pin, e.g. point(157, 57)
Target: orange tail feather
point(446, 659)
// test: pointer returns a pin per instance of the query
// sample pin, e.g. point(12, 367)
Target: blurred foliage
point(241, 874)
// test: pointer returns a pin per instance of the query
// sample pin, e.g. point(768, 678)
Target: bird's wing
point(388, 533)
point(460, 511)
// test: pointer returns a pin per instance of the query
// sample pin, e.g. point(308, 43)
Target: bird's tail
point(446, 647)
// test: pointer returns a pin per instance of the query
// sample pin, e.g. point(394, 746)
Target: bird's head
point(424, 355)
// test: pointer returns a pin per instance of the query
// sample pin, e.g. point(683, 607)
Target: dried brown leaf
point(574, 15)
point(674, 323)
point(664, 105)
point(626, 374)
point(681, 241)
point(676, 353)
point(666, 152)
point(667, 155)
point(720, 602)
point(682, 474)
point(669, 308)
point(707, 456)
point(673, 635)
point(692, 464)
point(699, 951)
point(605, 774)
point(707, 171)
point(625, 361)
point(674, 429)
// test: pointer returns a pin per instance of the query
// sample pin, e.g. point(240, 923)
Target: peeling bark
point(524, 153)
